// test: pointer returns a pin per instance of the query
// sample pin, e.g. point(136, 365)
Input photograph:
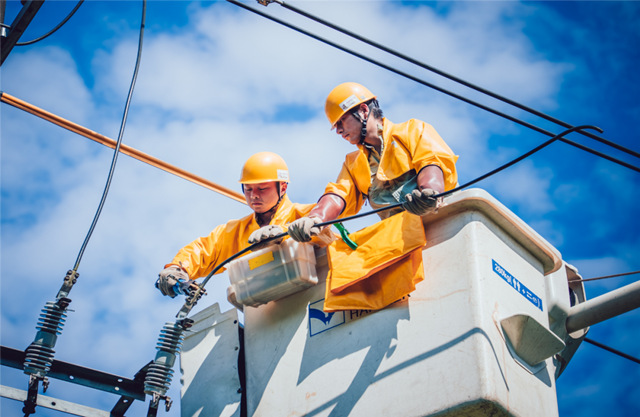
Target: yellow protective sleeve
point(202, 255)
point(384, 268)
point(410, 145)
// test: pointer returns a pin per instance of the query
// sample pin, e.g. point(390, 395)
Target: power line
point(446, 75)
point(608, 276)
point(431, 85)
point(612, 350)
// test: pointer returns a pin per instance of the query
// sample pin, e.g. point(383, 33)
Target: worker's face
point(349, 128)
point(263, 196)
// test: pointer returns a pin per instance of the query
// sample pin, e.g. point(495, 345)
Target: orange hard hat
point(264, 167)
point(343, 98)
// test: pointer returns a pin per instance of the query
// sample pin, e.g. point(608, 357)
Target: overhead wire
point(607, 276)
point(612, 350)
point(431, 85)
point(52, 31)
point(447, 75)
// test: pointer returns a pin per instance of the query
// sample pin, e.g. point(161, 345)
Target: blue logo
point(517, 285)
point(319, 321)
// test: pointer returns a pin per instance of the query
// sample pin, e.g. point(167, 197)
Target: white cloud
point(47, 77)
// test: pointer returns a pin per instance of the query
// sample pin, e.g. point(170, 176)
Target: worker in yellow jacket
point(264, 180)
point(405, 163)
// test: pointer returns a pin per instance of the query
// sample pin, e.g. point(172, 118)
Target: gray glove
point(172, 281)
point(420, 202)
point(302, 229)
point(264, 233)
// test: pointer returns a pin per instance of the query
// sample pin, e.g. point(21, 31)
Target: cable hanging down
point(435, 87)
point(119, 140)
point(39, 355)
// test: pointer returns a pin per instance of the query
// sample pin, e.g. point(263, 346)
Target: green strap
point(345, 236)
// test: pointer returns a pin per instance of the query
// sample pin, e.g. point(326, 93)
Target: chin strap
point(269, 213)
point(363, 128)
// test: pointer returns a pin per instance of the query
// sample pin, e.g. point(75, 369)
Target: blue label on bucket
point(517, 285)
point(319, 321)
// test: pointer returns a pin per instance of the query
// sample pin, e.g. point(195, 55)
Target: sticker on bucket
point(517, 285)
point(319, 321)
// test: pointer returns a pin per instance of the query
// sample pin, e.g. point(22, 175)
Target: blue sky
point(218, 83)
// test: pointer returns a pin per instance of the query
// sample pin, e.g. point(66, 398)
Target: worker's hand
point(420, 202)
point(302, 229)
point(172, 281)
point(265, 233)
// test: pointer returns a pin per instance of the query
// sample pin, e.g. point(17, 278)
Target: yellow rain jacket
point(413, 144)
point(385, 267)
point(202, 255)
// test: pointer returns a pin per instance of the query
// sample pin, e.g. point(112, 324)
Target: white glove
point(420, 202)
point(169, 280)
point(302, 229)
point(265, 233)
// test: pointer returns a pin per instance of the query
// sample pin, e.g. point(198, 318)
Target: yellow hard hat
point(343, 98)
point(264, 167)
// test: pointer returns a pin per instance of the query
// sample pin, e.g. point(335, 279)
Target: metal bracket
point(19, 25)
point(128, 390)
point(530, 340)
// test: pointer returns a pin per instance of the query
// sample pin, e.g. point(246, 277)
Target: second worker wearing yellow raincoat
point(395, 163)
point(405, 163)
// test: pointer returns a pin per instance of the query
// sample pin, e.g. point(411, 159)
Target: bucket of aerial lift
point(481, 335)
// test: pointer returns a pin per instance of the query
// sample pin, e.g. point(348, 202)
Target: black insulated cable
point(612, 350)
point(389, 68)
point(52, 31)
point(449, 76)
point(431, 85)
point(119, 141)
point(608, 276)
point(600, 154)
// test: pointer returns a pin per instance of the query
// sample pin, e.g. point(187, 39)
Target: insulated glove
point(420, 202)
point(302, 229)
point(264, 233)
point(172, 281)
